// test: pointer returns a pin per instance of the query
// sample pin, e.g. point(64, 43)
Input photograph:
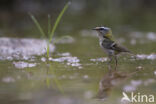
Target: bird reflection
point(110, 80)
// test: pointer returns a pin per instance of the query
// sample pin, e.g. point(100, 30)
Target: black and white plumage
point(108, 44)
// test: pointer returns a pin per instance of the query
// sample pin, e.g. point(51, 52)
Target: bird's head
point(103, 32)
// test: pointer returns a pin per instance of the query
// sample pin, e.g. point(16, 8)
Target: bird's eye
point(101, 29)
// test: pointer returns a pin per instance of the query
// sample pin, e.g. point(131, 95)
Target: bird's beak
point(96, 28)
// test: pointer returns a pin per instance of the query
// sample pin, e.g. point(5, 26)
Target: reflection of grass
point(50, 32)
point(56, 80)
point(47, 79)
point(48, 82)
point(52, 71)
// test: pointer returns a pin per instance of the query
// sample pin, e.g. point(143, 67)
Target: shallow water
point(77, 73)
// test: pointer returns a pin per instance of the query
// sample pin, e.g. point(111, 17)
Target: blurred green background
point(133, 23)
point(121, 15)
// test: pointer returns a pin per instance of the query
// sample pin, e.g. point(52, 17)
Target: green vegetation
point(50, 32)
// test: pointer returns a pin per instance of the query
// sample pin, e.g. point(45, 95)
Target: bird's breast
point(105, 47)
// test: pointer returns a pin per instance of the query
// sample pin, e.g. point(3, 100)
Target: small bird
point(108, 44)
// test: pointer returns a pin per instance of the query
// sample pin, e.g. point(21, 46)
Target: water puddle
point(68, 59)
point(145, 56)
point(105, 59)
point(15, 48)
point(109, 81)
point(8, 80)
point(22, 64)
point(113, 79)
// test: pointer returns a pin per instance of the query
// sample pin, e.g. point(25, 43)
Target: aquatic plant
point(52, 30)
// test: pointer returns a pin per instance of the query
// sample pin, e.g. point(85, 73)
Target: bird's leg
point(109, 62)
point(116, 62)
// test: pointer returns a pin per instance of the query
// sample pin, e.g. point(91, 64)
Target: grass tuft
point(50, 32)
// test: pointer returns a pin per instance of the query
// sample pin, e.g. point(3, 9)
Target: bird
point(109, 45)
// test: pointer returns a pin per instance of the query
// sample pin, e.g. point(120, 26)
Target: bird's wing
point(118, 48)
point(109, 44)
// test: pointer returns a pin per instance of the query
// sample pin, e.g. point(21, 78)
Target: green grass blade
point(49, 25)
point(48, 48)
point(58, 20)
point(49, 29)
point(38, 25)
